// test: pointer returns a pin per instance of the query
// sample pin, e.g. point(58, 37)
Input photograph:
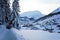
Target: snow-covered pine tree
point(4, 11)
point(10, 19)
point(1, 16)
point(15, 12)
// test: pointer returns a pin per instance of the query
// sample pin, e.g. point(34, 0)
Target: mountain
point(32, 14)
point(46, 17)
point(50, 22)
point(56, 10)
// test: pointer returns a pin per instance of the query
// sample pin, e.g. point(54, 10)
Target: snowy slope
point(33, 14)
point(12, 34)
point(51, 23)
point(40, 35)
point(56, 10)
point(48, 21)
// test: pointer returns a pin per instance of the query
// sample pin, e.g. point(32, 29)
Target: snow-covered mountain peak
point(35, 14)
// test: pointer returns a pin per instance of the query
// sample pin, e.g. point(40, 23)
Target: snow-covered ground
point(40, 35)
point(11, 34)
point(14, 34)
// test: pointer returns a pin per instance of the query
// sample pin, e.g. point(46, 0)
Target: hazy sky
point(44, 6)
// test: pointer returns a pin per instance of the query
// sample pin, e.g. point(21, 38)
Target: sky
point(44, 6)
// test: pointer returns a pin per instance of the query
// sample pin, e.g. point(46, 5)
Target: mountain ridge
point(34, 14)
point(56, 10)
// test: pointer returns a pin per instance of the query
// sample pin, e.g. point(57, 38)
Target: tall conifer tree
point(15, 12)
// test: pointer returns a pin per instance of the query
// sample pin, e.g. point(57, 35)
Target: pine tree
point(4, 11)
point(15, 12)
point(7, 14)
point(10, 19)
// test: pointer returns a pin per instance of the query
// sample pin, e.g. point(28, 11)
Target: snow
point(52, 21)
point(11, 34)
point(56, 10)
point(14, 34)
point(29, 34)
point(34, 14)
point(40, 35)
